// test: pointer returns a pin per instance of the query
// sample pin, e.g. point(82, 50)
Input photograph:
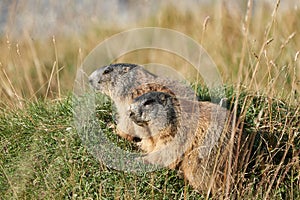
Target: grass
point(257, 53)
point(43, 156)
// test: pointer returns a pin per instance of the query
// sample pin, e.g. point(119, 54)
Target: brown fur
point(118, 81)
point(205, 169)
point(173, 141)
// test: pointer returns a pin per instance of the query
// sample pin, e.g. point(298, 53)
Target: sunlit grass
point(43, 155)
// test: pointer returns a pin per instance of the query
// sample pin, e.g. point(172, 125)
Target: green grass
point(42, 156)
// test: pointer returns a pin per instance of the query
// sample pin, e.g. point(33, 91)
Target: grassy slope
point(42, 157)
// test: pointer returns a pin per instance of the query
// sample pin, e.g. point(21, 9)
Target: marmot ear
point(162, 97)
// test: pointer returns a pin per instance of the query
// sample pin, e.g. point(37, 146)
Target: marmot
point(119, 80)
point(189, 135)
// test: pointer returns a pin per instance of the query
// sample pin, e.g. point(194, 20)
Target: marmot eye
point(148, 102)
point(107, 70)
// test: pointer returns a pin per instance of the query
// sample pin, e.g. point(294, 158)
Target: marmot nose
point(136, 139)
point(131, 114)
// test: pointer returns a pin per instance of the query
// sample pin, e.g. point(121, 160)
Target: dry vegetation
point(256, 51)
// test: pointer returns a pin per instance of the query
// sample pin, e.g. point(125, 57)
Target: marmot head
point(118, 79)
point(105, 78)
point(155, 110)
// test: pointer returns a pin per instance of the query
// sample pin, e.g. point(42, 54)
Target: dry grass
point(256, 49)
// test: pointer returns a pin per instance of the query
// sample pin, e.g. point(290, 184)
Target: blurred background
point(255, 44)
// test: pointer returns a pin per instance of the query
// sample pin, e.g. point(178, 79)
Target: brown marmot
point(119, 80)
point(189, 135)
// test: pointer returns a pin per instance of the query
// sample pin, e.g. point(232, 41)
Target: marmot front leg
point(124, 135)
point(125, 128)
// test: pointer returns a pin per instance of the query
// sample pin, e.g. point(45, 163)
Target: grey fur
point(118, 81)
